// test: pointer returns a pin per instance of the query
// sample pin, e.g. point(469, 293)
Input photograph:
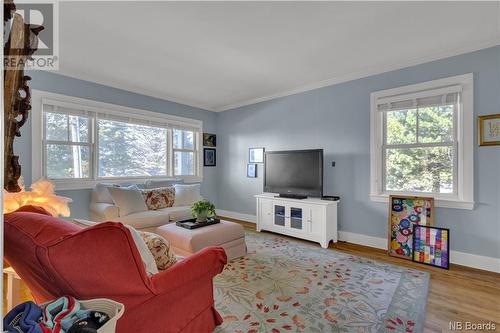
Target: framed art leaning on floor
point(404, 213)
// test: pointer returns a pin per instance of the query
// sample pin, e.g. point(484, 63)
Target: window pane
point(128, 150)
point(177, 139)
point(65, 161)
point(435, 124)
point(183, 139)
point(56, 126)
point(401, 126)
point(183, 163)
point(420, 169)
point(78, 129)
point(60, 127)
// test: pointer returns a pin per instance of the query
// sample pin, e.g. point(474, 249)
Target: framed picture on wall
point(431, 246)
point(404, 213)
point(255, 155)
point(489, 130)
point(209, 157)
point(209, 140)
point(252, 170)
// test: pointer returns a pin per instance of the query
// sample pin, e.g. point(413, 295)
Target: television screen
point(296, 172)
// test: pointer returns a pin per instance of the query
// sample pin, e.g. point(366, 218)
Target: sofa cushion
point(162, 183)
point(157, 198)
point(178, 213)
point(102, 194)
point(129, 200)
point(160, 249)
point(146, 219)
point(186, 195)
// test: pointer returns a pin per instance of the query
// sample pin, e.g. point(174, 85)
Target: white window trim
point(39, 96)
point(464, 198)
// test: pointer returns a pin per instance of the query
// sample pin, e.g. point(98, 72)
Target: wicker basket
point(113, 309)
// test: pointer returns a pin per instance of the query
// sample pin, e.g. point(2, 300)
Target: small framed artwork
point(209, 140)
point(252, 170)
point(489, 130)
point(255, 155)
point(404, 212)
point(431, 246)
point(209, 157)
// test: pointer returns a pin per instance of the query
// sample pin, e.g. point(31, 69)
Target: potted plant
point(202, 209)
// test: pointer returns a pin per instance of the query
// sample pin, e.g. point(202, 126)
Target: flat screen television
point(294, 173)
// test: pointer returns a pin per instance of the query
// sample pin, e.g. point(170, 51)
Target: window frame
point(463, 194)
point(94, 108)
point(196, 148)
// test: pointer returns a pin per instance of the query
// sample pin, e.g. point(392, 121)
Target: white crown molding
point(366, 72)
point(370, 71)
point(459, 258)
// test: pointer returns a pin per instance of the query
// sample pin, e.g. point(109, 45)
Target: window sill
point(68, 185)
point(438, 202)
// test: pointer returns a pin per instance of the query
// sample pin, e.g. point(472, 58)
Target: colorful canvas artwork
point(404, 213)
point(431, 246)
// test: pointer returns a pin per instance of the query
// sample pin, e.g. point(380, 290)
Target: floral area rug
point(284, 285)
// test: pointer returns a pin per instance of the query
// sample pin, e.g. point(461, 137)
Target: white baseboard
point(237, 216)
point(475, 261)
point(460, 258)
point(360, 239)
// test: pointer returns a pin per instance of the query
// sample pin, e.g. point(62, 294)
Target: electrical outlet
point(333, 164)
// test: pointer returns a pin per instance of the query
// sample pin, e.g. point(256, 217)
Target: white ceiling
point(222, 55)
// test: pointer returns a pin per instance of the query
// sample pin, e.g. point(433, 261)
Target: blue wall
point(337, 119)
point(73, 87)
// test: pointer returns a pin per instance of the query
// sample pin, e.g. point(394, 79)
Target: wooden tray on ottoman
point(192, 224)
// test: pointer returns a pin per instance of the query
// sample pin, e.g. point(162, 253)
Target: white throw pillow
point(146, 255)
point(102, 193)
point(129, 200)
point(186, 195)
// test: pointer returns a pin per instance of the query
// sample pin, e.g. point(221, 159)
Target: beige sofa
point(102, 208)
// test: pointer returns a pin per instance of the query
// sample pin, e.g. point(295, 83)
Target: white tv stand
point(311, 219)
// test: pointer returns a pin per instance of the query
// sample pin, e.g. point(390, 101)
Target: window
point(84, 142)
point(184, 152)
point(422, 142)
point(67, 146)
point(131, 150)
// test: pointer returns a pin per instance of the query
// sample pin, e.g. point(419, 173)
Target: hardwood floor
point(459, 294)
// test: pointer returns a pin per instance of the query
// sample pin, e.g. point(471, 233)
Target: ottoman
point(184, 242)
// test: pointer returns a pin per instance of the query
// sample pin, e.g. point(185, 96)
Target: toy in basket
point(106, 310)
point(65, 314)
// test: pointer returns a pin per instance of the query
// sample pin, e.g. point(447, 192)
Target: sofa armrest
point(206, 264)
point(100, 211)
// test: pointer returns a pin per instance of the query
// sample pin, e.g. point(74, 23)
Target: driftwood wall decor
point(21, 43)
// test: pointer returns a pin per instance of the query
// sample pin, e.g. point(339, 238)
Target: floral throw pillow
point(160, 249)
point(158, 198)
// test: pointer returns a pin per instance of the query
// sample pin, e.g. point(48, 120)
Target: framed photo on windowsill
point(489, 130)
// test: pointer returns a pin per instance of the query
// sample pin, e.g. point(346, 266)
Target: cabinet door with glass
point(280, 215)
point(297, 218)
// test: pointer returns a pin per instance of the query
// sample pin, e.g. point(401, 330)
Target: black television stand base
point(292, 196)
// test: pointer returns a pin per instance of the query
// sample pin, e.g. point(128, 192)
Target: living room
point(256, 166)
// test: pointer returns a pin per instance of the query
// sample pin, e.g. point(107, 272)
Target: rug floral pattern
point(284, 285)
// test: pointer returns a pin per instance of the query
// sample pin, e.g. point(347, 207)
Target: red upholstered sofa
point(55, 258)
